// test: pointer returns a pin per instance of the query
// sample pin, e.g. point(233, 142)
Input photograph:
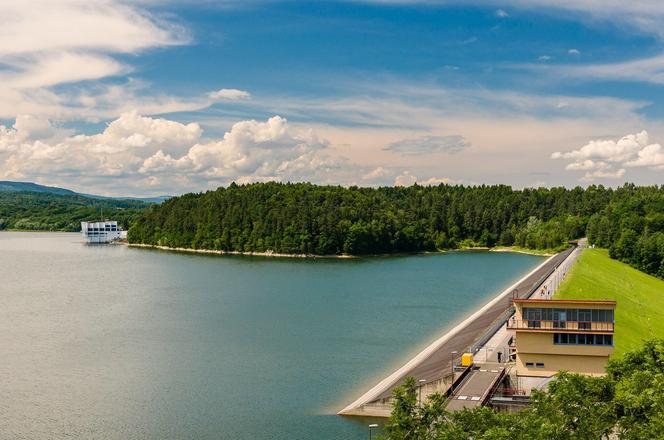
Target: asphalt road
point(438, 364)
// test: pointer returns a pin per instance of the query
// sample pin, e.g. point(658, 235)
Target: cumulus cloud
point(650, 156)
point(377, 173)
point(160, 152)
point(405, 179)
point(429, 144)
point(501, 13)
point(574, 52)
point(434, 181)
point(408, 179)
point(604, 158)
point(229, 94)
point(608, 149)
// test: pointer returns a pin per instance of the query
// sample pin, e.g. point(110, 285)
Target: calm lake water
point(118, 343)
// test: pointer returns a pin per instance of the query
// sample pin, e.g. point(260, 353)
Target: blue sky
point(152, 97)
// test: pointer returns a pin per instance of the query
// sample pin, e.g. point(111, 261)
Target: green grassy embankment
point(640, 297)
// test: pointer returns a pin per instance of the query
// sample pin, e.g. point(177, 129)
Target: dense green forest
point(627, 403)
point(53, 212)
point(329, 220)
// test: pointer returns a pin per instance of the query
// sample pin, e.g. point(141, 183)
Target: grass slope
point(640, 297)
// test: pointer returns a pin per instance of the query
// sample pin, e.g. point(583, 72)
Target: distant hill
point(49, 211)
point(6, 185)
point(9, 186)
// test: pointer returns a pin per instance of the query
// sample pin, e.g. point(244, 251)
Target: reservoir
point(114, 342)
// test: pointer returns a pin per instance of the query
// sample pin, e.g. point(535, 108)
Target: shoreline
point(341, 256)
point(236, 253)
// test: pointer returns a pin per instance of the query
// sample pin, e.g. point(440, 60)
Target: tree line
point(302, 218)
point(627, 403)
point(42, 211)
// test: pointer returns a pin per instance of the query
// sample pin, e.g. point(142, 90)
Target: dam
point(433, 367)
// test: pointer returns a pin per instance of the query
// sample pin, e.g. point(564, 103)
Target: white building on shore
point(102, 232)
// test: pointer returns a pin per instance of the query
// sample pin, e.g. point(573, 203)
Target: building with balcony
point(102, 232)
point(556, 335)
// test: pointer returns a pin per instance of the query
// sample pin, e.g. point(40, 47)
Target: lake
point(123, 343)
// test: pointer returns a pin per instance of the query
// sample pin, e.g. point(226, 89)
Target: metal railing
point(577, 326)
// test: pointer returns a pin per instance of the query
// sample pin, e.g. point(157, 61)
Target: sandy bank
point(251, 254)
point(281, 255)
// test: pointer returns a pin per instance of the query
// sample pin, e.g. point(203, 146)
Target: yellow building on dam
point(562, 335)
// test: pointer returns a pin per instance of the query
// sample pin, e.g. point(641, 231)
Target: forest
point(42, 211)
point(302, 218)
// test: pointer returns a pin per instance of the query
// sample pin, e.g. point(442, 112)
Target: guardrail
point(576, 326)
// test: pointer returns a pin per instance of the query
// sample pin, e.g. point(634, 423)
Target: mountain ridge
point(13, 186)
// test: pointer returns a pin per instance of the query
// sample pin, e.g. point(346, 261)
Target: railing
point(522, 324)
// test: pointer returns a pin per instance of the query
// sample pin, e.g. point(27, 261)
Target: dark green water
point(118, 343)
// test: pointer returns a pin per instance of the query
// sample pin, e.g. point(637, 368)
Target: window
point(529, 365)
point(540, 365)
point(572, 315)
point(581, 339)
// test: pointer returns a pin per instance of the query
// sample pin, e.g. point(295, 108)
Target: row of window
point(534, 364)
point(582, 315)
point(581, 339)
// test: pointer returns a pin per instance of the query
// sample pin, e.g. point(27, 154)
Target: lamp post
point(452, 386)
point(371, 428)
point(421, 382)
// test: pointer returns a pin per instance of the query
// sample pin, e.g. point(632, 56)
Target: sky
point(154, 97)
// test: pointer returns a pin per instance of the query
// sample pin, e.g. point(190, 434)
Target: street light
point(371, 428)
point(421, 382)
point(452, 386)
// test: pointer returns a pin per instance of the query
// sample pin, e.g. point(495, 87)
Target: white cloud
point(44, 70)
point(434, 181)
point(544, 58)
point(501, 13)
point(650, 156)
point(586, 165)
point(405, 179)
point(609, 150)
point(134, 151)
point(377, 173)
point(229, 94)
point(649, 70)
point(46, 43)
point(600, 174)
point(271, 149)
point(574, 52)
point(600, 158)
point(40, 26)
